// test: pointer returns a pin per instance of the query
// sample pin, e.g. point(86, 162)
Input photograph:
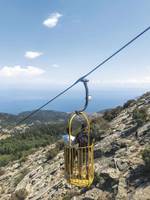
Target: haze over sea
point(102, 99)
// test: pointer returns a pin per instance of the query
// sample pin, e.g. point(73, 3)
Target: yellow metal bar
point(78, 158)
point(81, 158)
point(69, 163)
point(65, 159)
point(72, 162)
point(70, 126)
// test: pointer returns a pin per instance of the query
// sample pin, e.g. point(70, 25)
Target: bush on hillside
point(20, 145)
point(52, 153)
point(4, 160)
point(98, 127)
point(111, 114)
point(140, 116)
point(146, 157)
point(97, 178)
point(21, 175)
point(2, 172)
point(70, 195)
point(19, 194)
point(60, 145)
point(129, 103)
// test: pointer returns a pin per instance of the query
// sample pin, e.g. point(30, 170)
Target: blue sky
point(47, 44)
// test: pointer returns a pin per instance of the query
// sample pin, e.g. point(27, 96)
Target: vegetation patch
point(60, 145)
point(20, 145)
point(70, 195)
point(111, 114)
point(105, 182)
point(146, 157)
point(52, 153)
point(2, 172)
point(140, 116)
point(98, 128)
point(19, 195)
point(97, 178)
point(21, 175)
point(4, 159)
point(129, 103)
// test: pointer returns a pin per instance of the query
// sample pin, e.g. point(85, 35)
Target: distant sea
point(100, 100)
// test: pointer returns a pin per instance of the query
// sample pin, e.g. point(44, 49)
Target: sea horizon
point(101, 100)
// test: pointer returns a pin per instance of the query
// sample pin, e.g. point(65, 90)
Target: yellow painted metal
point(79, 161)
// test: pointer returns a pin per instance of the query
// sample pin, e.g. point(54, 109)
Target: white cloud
point(126, 82)
point(29, 77)
point(52, 20)
point(20, 72)
point(32, 54)
point(55, 66)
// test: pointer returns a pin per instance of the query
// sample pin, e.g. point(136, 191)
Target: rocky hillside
point(120, 171)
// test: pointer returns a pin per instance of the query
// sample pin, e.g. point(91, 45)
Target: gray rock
point(142, 193)
point(122, 190)
point(122, 166)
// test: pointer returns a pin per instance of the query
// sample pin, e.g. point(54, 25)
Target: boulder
point(108, 180)
point(122, 190)
point(142, 192)
point(95, 194)
point(121, 165)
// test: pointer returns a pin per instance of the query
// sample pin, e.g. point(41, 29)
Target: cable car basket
point(79, 161)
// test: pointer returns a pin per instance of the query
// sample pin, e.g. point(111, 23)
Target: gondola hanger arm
point(85, 83)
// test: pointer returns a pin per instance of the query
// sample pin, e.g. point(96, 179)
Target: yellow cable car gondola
point(79, 160)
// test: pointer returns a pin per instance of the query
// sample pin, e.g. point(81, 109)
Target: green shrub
point(2, 172)
point(4, 160)
point(97, 178)
point(111, 114)
point(60, 145)
point(105, 196)
point(21, 175)
point(98, 127)
point(52, 153)
point(23, 159)
point(140, 116)
point(129, 103)
point(20, 145)
point(19, 195)
point(146, 157)
point(70, 195)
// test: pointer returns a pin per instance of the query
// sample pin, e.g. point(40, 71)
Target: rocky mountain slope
point(120, 172)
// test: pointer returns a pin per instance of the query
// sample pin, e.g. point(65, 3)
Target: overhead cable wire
point(85, 75)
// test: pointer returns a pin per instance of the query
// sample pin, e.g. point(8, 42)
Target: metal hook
point(84, 81)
